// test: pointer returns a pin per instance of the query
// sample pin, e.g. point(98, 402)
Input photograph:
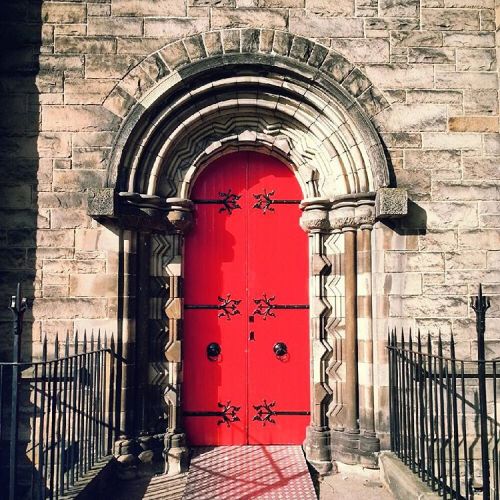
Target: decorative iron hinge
point(266, 412)
point(264, 201)
point(228, 307)
point(229, 200)
point(228, 413)
point(265, 307)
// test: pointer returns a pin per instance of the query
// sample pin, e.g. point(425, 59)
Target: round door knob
point(280, 349)
point(213, 350)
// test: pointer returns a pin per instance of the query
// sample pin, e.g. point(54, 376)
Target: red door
point(246, 349)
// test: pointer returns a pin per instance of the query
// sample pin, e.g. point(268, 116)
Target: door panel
point(246, 290)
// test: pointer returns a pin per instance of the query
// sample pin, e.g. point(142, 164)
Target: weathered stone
point(253, 18)
point(356, 83)
point(372, 101)
point(231, 41)
point(399, 8)
point(438, 241)
point(124, 26)
point(175, 55)
point(155, 8)
point(450, 19)
point(476, 59)
point(62, 218)
point(403, 283)
point(77, 118)
point(472, 40)
point(318, 56)
point(492, 144)
point(84, 91)
point(301, 49)
point(428, 307)
point(466, 260)
point(417, 39)
point(400, 76)
point(480, 102)
point(413, 117)
point(461, 190)
point(93, 285)
point(53, 12)
point(431, 55)
point(84, 45)
point(336, 66)
point(430, 160)
point(473, 124)
point(55, 238)
point(75, 180)
point(400, 262)
point(391, 203)
point(362, 51)
point(481, 168)
point(334, 27)
point(119, 102)
point(282, 43)
point(139, 45)
point(173, 29)
point(101, 202)
point(70, 66)
point(446, 215)
point(432, 140)
point(466, 80)
point(213, 43)
point(195, 47)
point(331, 9)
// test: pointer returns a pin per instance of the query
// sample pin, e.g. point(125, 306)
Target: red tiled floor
point(249, 472)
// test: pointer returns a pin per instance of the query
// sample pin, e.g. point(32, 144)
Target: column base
point(317, 449)
point(175, 453)
point(351, 447)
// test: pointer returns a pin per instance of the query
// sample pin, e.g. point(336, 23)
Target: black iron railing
point(56, 414)
point(444, 415)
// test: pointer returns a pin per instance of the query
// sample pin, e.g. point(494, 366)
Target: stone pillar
point(369, 443)
point(315, 222)
point(175, 450)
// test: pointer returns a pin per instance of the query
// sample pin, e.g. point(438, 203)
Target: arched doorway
point(246, 342)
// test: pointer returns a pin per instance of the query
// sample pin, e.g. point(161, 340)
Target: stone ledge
point(401, 481)
point(391, 203)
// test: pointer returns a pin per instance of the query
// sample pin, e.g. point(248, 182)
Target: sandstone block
point(470, 4)
point(54, 144)
point(69, 308)
point(429, 160)
point(493, 260)
point(70, 66)
point(480, 102)
point(372, 101)
point(428, 307)
point(231, 41)
point(108, 66)
point(247, 17)
point(416, 181)
point(139, 46)
point(492, 144)
point(330, 9)
point(119, 102)
point(417, 39)
point(195, 48)
point(431, 55)
point(90, 240)
point(472, 40)
point(400, 76)
point(402, 262)
point(332, 27)
point(213, 43)
point(84, 45)
point(96, 9)
point(476, 60)
point(438, 241)
point(466, 80)
point(92, 139)
point(172, 29)
point(462, 190)
point(301, 49)
point(123, 26)
point(282, 3)
point(473, 124)
point(153, 8)
point(64, 12)
point(466, 260)
point(356, 83)
point(70, 29)
point(402, 283)
point(447, 215)
point(61, 218)
point(175, 55)
point(413, 117)
point(76, 180)
point(84, 91)
point(66, 267)
point(93, 285)
point(399, 8)
point(362, 51)
point(481, 168)
point(78, 118)
point(137, 82)
point(391, 203)
point(450, 19)
point(486, 239)
point(433, 140)
point(55, 238)
point(156, 69)
point(336, 66)
point(282, 43)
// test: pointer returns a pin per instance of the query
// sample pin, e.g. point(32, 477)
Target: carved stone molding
point(314, 217)
point(180, 214)
point(352, 212)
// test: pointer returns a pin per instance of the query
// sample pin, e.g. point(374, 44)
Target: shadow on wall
point(21, 171)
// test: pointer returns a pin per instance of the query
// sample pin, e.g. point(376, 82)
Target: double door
point(246, 349)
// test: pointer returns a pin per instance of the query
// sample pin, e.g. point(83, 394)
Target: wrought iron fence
point(444, 415)
point(56, 414)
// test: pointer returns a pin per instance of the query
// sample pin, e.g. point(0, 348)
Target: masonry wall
point(434, 61)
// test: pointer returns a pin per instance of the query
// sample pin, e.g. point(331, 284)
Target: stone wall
point(434, 61)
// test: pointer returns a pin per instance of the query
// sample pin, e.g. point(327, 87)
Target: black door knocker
point(213, 351)
point(281, 350)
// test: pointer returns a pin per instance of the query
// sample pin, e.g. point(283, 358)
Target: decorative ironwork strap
point(229, 200)
point(228, 413)
point(266, 412)
point(264, 201)
point(228, 307)
point(265, 307)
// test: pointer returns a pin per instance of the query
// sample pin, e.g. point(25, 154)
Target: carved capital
point(180, 214)
point(351, 213)
point(314, 217)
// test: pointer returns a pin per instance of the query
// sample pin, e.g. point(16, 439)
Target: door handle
point(280, 349)
point(213, 350)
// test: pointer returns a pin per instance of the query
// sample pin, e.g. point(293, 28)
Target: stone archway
point(221, 91)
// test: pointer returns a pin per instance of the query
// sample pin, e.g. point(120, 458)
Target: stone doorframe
point(261, 90)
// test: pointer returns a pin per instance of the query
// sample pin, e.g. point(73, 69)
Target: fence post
point(17, 307)
point(481, 304)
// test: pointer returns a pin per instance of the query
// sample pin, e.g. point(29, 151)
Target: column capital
point(314, 217)
point(180, 214)
point(348, 213)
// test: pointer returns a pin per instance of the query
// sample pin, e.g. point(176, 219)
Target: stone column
point(175, 450)
point(315, 222)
